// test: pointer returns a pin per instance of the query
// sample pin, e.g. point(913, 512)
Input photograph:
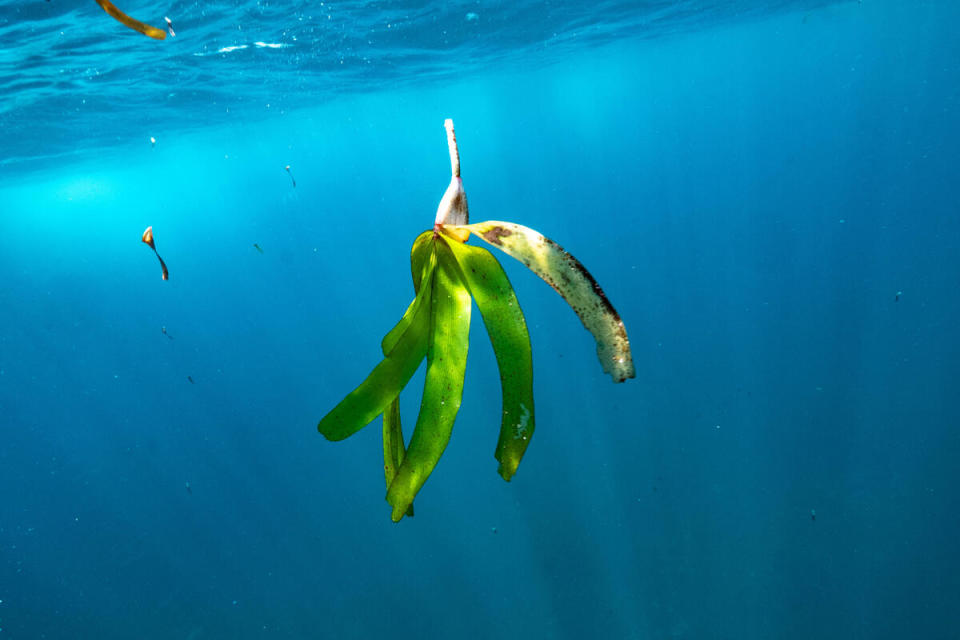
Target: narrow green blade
point(422, 260)
point(571, 280)
point(508, 333)
point(422, 248)
point(393, 449)
point(443, 387)
point(385, 382)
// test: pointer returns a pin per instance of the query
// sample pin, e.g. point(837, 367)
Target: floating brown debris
point(148, 240)
point(136, 25)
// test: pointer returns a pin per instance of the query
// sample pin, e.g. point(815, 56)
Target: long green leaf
point(443, 387)
point(393, 449)
point(422, 261)
point(508, 333)
point(422, 258)
point(422, 248)
point(571, 280)
point(385, 382)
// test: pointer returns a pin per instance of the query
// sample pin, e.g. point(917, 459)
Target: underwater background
point(767, 192)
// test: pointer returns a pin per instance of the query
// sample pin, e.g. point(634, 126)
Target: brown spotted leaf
point(571, 280)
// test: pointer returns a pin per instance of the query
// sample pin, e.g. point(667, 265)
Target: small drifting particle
point(153, 142)
point(170, 27)
point(896, 298)
point(190, 378)
point(471, 16)
point(493, 529)
point(163, 330)
point(813, 514)
point(186, 485)
point(287, 169)
point(257, 247)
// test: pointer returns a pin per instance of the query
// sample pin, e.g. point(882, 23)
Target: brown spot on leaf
point(494, 234)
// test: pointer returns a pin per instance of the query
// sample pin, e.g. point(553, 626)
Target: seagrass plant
point(447, 273)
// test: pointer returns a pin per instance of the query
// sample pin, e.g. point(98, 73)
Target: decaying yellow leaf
point(571, 280)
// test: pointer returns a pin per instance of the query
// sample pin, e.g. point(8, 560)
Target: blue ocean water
point(766, 191)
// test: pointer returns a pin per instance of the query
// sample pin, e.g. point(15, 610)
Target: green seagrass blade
point(443, 386)
point(508, 333)
point(422, 248)
point(393, 449)
point(422, 261)
point(385, 382)
point(421, 258)
point(571, 280)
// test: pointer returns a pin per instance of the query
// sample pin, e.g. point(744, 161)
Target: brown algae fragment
point(136, 25)
point(147, 239)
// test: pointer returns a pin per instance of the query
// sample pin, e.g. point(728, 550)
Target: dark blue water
point(766, 192)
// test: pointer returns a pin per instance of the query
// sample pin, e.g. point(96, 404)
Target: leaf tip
point(400, 510)
point(326, 433)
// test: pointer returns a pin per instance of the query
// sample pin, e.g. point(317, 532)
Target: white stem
point(453, 205)
point(452, 144)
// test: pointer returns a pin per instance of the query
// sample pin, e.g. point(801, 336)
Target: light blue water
point(66, 66)
point(751, 187)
